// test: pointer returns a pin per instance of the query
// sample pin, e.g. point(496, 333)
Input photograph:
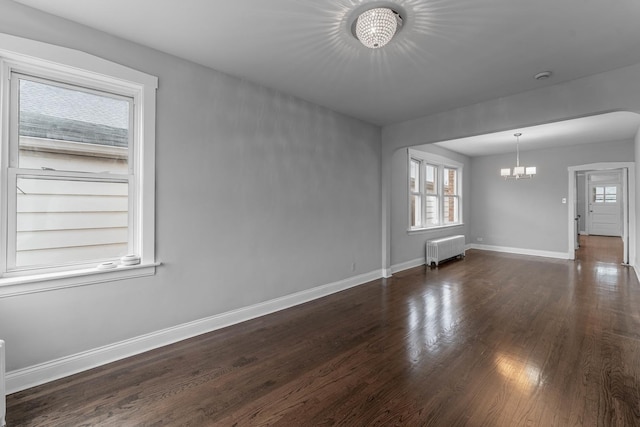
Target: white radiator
point(444, 248)
point(3, 389)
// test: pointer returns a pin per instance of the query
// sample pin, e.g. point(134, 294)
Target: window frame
point(440, 163)
point(419, 185)
point(455, 196)
point(67, 66)
point(15, 171)
point(424, 164)
point(605, 188)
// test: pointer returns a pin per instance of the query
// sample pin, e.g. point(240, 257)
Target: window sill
point(439, 227)
point(21, 285)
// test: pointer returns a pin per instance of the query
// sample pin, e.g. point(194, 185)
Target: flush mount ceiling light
point(519, 172)
point(376, 27)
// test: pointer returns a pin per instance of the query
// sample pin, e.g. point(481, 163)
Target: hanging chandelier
point(519, 172)
point(376, 27)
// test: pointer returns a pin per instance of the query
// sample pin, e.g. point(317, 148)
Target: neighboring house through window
point(435, 196)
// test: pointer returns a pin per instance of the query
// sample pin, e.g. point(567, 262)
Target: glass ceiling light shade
point(376, 27)
point(519, 172)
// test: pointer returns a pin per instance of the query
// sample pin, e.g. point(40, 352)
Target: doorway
point(607, 205)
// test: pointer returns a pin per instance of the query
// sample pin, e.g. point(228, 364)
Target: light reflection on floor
point(431, 321)
point(524, 375)
point(431, 329)
point(607, 272)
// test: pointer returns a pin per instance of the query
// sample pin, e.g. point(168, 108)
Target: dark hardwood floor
point(490, 340)
point(600, 249)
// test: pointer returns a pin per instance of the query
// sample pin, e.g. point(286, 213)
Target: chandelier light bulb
point(376, 27)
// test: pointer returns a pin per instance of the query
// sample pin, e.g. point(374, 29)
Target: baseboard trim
point(407, 265)
point(32, 376)
point(519, 251)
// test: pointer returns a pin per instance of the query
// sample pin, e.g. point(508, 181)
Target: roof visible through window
point(53, 112)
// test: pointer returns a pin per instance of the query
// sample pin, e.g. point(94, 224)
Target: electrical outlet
point(479, 239)
point(353, 266)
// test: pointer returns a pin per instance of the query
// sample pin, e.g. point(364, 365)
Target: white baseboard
point(421, 261)
point(407, 265)
point(519, 251)
point(32, 376)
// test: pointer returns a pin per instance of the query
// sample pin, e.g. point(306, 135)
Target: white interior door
point(605, 206)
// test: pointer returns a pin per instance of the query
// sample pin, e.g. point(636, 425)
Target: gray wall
point(529, 214)
point(259, 195)
point(409, 246)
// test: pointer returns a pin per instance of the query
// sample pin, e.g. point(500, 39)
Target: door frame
point(629, 209)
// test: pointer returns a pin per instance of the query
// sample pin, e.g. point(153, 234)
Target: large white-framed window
point(77, 167)
point(435, 191)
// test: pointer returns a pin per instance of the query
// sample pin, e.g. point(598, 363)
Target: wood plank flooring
point(600, 249)
point(490, 340)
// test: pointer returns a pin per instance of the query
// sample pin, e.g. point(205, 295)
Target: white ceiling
point(610, 127)
point(449, 53)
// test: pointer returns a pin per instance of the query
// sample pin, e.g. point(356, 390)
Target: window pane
point(414, 176)
point(610, 194)
point(432, 211)
point(431, 180)
point(416, 211)
point(450, 182)
point(451, 210)
point(71, 130)
point(598, 194)
point(67, 221)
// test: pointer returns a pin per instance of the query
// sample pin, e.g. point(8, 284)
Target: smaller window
point(605, 194)
point(431, 193)
point(434, 191)
point(415, 196)
point(451, 196)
